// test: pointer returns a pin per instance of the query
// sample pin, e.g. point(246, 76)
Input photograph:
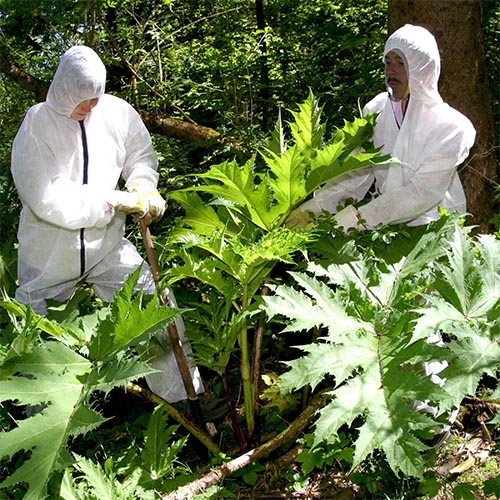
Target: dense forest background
point(211, 77)
point(211, 80)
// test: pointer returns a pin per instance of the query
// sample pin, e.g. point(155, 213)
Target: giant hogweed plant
point(381, 305)
point(54, 367)
point(233, 232)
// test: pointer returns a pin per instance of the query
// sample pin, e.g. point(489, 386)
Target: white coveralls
point(66, 173)
point(434, 139)
point(431, 142)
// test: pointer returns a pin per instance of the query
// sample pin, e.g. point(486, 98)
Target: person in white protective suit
point(68, 158)
point(426, 138)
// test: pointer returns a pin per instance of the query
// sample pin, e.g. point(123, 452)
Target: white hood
point(420, 52)
point(80, 76)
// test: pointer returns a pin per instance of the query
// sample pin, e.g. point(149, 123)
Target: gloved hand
point(156, 206)
point(348, 217)
point(297, 219)
point(147, 205)
point(130, 203)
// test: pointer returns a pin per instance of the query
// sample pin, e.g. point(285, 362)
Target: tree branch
point(172, 127)
point(10, 68)
point(220, 473)
point(186, 131)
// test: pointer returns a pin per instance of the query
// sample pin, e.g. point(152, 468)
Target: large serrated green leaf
point(318, 308)
point(287, 182)
point(474, 356)
point(159, 455)
point(377, 368)
point(239, 185)
point(209, 270)
point(53, 372)
point(200, 217)
point(127, 322)
point(307, 129)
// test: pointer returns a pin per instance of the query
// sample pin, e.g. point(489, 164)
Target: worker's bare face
point(395, 74)
point(83, 109)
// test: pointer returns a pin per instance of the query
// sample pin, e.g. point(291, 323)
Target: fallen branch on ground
point(218, 474)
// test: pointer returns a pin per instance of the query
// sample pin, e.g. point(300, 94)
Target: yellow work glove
point(297, 219)
point(155, 206)
point(135, 204)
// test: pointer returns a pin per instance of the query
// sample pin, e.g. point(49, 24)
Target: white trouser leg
point(168, 382)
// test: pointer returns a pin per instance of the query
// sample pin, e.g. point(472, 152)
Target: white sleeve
point(425, 190)
point(426, 187)
point(141, 163)
point(334, 193)
point(48, 192)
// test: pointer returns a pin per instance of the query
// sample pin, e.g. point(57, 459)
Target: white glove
point(348, 217)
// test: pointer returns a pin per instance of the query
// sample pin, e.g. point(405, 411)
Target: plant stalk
point(232, 413)
point(256, 369)
point(245, 376)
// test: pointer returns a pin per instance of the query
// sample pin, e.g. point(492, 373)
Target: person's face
point(83, 109)
point(395, 74)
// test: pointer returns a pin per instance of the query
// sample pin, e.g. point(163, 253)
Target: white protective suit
point(67, 173)
point(434, 139)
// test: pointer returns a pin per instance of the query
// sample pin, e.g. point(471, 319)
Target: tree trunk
point(264, 69)
point(464, 85)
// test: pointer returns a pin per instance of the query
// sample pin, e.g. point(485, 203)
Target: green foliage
point(98, 483)
point(377, 306)
point(492, 487)
point(464, 491)
point(210, 62)
point(464, 306)
point(141, 469)
point(295, 169)
point(56, 374)
point(12, 107)
point(233, 233)
point(47, 377)
point(212, 316)
point(322, 456)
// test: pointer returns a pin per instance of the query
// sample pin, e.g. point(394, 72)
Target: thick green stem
point(245, 368)
point(246, 377)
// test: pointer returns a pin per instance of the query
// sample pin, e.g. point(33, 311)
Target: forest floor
point(460, 467)
point(463, 464)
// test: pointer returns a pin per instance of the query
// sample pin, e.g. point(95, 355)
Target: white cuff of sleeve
point(141, 184)
point(348, 217)
point(311, 206)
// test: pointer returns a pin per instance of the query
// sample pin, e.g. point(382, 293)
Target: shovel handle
point(151, 255)
point(173, 334)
